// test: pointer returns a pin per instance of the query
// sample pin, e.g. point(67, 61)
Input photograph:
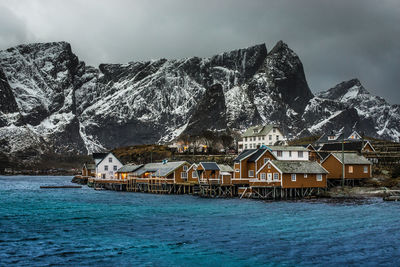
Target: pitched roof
point(351, 158)
point(129, 168)
point(346, 133)
point(211, 166)
point(90, 166)
point(259, 130)
point(245, 153)
point(288, 148)
point(287, 166)
point(225, 168)
point(258, 154)
point(97, 164)
point(348, 146)
point(162, 169)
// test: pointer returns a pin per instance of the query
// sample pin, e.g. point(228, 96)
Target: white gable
point(108, 166)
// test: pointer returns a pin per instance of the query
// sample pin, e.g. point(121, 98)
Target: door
point(269, 177)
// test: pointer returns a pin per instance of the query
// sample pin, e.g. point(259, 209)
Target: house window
point(365, 169)
point(263, 176)
point(245, 146)
point(269, 166)
point(276, 176)
point(290, 154)
point(279, 153)
point(106, 167)
point(245, 139)
point(300, 154)
point(319, 177)
point(277, 137)
point(273, 130)
point(259, 138)
point(184, 175)
point(305, 175)
point(194, 174)
point(263, 138)
point(237, 170)
point(115, 167)
point(293, 177)
point(185, 168)
point(251, 173)
point(270, 137)
point(350, 169)
point(110, 159)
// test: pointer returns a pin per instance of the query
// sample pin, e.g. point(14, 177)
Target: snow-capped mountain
point(52, 102)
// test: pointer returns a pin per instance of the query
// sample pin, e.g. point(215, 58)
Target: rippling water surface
point(104, 228)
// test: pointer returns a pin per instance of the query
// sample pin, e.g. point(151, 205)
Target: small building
point(247, 163)
point(226, 174)
point(89, 169)
point(338, 136)
point(208, 172)
point(256, 136)
point(107, 167)
point(124, 171)
point(192, 174)
point(354, 146)
point(356, 166)
point(175, 171)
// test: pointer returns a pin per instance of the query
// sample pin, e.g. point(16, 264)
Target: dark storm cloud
point(336, 40)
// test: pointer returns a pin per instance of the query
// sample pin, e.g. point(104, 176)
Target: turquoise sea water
point(83, 227)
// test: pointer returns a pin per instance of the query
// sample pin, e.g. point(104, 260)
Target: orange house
point(249, 162)
point(89, 170)
point(208, 172)
point(356, 166)
point(290, 174)
point(192, 174)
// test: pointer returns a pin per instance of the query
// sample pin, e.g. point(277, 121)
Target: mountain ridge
point(63, 105)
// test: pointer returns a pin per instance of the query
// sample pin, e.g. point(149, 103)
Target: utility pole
point(343, 167)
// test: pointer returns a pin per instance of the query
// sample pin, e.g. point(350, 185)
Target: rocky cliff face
point(51, 101)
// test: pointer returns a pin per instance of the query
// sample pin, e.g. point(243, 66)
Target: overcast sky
point(336, 40)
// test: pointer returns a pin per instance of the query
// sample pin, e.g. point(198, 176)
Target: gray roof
point(129, 168)
point(259, 130)
point(211, 166)
point(288, 166)
point(288, 148)
point(339, 136)
point(225, 168)
point(351, 158)
point(90, 166)
point(244, 154)
point(159, 168)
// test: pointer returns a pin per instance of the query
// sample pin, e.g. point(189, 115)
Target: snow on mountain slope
point(58, 104)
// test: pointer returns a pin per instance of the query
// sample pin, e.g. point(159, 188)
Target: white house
point(290, 152)
point(107, 167)
point(256, 136)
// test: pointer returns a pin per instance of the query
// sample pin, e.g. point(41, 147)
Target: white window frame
point(106, 167)
point(300, 154)
point(251, 173)
point(263, 176)
point(269, 176)
point(194, 174)
point(115, 167)
point(276, 176)
point(185, 168)
point(365, 169)
point(184, 175)
point(279, 153)
point(269, 166)
point(110, 160)
point(319, 177)
point(305, 175)
point(293, 177)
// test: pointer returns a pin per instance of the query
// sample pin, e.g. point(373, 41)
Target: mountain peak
point(345, 90)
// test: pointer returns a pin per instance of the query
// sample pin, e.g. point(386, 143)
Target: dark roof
point(210, 166)
point(323, 155)
point(99, 155)
point(338, 136)
point(244, 154)
point(348, 146)
point(258, 154)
